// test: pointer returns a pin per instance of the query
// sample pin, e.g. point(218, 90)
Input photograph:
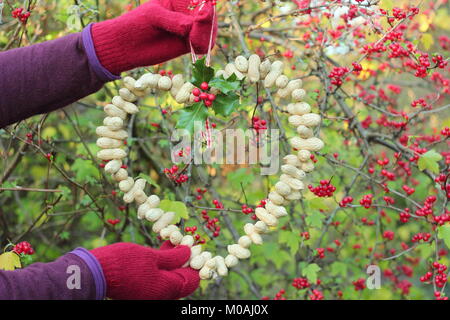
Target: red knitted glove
point(141, 273)
point(155, 32)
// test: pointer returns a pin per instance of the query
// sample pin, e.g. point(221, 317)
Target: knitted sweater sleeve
point(47, 76)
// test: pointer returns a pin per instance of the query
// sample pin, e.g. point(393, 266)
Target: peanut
point(239, 252)
point(276, 211)
point(266, 217)
point(164, 83)
point(308, 166)
point(294, 196)
point(129, 83)
point(231, 261)
point(127, 95)
point(113, 166)
point(292, 182)
point(197, 262)
point(293, 171)
point(187, 240)
point(153, 201)
point(103, 131)
point(276, 198)
point(154, 214)
point(245, 241)
point(291, 86)
point(163, 222)
point(298, 95)
point(275, 71)
point(291, 159)
point(108, 143)
point(261, 227)
point(211, 263)
point(184, 92)
point(282, 188)
point(264, 68)
point(139, 185)
point(310, 144)
point(111, 154)
point(206, 255)
point(282, 81)
point(113, 123)
point(177, 83)
point(241, 64)
point(222, 269)
point(167, 231)
point(304, 132)
point(120, 175)
point(252, 235)
point(140, 197)
point(299, 108)
point(113, 111)
point(311, 119)
point(126, 185)
point(231, 68)
point(295, 120)
point(254, 63)
point(205, 273)
point(176, 237)
point(304, 155)
point(126, 106)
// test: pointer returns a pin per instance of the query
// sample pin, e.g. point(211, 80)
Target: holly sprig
point(225, 103)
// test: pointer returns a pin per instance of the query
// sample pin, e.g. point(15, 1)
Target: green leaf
point(149, 180)
point(225, 86)
point(310, 272)
point(178, 207)
point(317, 203)
point(85, 171)
point(201, 73)
point(315, 219)
point(9, 261)
point(339, 268)
point(429, 161)
point(188, 116)
point(291, 239)
point(226, 104)
point(444, 234)
point(241, 175)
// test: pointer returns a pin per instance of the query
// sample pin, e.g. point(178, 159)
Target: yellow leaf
point(424, 22)
point(441, 19)
point(387, 4)
point(427, 40)
point(9, 261)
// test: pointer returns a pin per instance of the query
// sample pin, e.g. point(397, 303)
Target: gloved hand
point(137, 272)
point(155, 32)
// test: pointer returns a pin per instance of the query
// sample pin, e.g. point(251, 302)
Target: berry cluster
point(279, 295)
point(211, 223)
point(325, 189)
point(405, 215)
point(21, 14)
point(359, 284)
point(441, 277)
point(337, 74)
point(316, 295)
point(427, 208)
point(23, 247)
point(246, 209)
point(389, 235)
point(177, 177)
point(421, 236)
point(200, 193)
point(202, 95)
point(305, 235)
point(300, 283)
point(259, 124)
point(320, 253)
point(366, 201)
point(346, 200)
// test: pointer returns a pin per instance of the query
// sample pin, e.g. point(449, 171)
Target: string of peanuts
point(285, 190)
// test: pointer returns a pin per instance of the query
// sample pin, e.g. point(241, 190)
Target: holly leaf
point(201, 72)
point(10, 261)
point(310, 272)
point(444, 234)
point(188, 116)
point(178, 207)
point(226, 85)
point(226, 104)
point(429, 160)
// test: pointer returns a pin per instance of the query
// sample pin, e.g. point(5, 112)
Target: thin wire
point(208, 55)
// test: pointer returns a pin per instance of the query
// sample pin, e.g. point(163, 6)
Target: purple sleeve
point(49, 75)
point(74, 276)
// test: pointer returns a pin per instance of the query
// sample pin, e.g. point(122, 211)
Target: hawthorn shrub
point(376, 71)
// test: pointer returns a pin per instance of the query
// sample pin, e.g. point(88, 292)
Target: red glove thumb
point(137, 272)
point(203, 26)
